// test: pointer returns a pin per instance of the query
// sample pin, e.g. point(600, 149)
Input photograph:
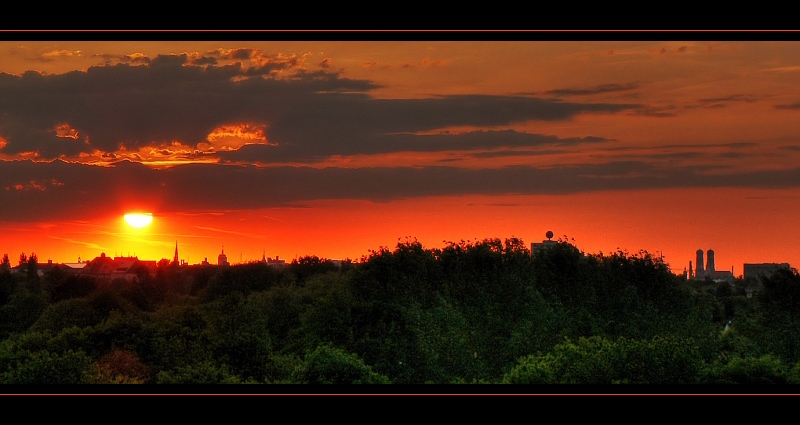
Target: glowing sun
point(138, 219)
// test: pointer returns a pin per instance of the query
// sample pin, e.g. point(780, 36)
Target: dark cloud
point(795, 105)
point(513, 153)
point(666, 155)
point(308, 114)
point(600, 89)
point(732, 155)
point(141, 105)
point(733, 145)
point(204, 60)
point(39, 191)
point(660, 112)
point(404, 142)
point(721, 102)
point(345, 123)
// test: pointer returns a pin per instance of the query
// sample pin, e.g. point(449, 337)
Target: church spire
point(175, 260)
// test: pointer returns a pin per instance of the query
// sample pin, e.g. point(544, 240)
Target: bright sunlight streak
point(138, 219)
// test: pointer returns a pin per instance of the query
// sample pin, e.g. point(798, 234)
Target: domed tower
point(222, 259)
point(710, 268)
point(700, 272)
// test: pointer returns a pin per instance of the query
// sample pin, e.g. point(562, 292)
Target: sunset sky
point(334, 148)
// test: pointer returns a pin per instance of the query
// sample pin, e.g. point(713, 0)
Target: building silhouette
point(759, 270)
point(273, 262)
point(710, 270)
point(700, 272)
point(110, 269)
point(547, 243)
point(222, 259)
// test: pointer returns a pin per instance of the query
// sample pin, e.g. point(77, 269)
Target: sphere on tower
point(549, 234)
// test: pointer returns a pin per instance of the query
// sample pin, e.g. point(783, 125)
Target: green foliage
point(83, 311)
point(280, 369)
point(384, 338)
point(732, 342)
point(582, 362)
point(778, 315)
point(305, 267)
point(327, 318)
point(64, 285)
point(540, 329)
point(8, 286)
point(328, 365)
point(282, 306)
point(596, 360)
point(533, 369)
point(105, 300)
point(75, 338)
point(407, 275)
point(205, 372)
point(129, 331)
point(44, 367)
point(22, 311)
point(240, 336)
point(243, 278)
point(447, 352)
point(766, 369)
point(171, 338)
point(65, 314)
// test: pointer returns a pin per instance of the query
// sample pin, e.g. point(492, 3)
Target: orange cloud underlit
point(65, 131)
point(234, 136)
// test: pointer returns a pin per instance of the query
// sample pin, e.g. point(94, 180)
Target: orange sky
point(335, 148)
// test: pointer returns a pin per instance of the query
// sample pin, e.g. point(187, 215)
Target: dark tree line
point(488, 311)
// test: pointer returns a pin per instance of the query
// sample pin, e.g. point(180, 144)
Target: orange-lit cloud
point(234, 136)
point(62, 53)
point(65, 131)
point(137, 58)
point(40, 185)
point(276, 63)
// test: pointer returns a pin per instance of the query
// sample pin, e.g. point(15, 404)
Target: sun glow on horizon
point(138, 220)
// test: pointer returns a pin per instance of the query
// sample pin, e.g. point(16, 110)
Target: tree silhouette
point(33, 267)
point(5, 265)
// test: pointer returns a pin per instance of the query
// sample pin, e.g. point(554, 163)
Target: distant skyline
point(334, 148)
